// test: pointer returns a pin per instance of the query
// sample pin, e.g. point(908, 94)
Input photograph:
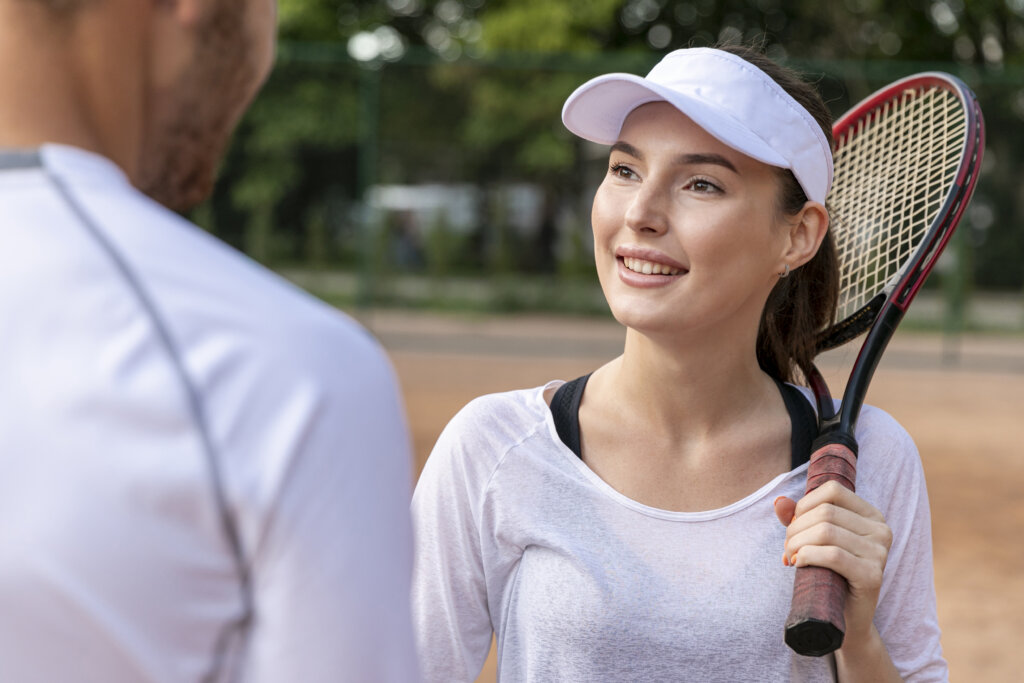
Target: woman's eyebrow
point(707, 158)
point(627, 148)
point(693, 159)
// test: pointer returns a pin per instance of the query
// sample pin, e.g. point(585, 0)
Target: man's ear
point(806, 231)
point(172, 39)
point(185, 11)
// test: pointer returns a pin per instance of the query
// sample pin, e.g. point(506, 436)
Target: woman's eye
point(620, 171)
point(702, 185)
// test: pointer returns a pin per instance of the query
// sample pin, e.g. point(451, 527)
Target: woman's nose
point(647, 211)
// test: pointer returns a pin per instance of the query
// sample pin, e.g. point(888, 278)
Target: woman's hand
point(832, 527)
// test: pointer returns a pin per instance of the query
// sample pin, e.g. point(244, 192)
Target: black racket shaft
point(816, 625)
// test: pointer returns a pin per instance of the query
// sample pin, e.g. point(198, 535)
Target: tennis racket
point(907, 159)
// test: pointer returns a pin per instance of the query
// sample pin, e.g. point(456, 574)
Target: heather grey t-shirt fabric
point(516, 536)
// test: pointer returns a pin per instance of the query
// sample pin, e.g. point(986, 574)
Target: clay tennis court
point(960, 402)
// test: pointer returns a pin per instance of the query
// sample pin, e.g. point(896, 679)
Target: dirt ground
point(961, 402)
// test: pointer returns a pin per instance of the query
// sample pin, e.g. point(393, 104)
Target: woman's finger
point(872, 547)
point(785, 508)
point(863, 574)
point(840, 496)
point(833, 515)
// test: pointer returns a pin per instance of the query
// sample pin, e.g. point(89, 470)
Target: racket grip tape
point(815, 626)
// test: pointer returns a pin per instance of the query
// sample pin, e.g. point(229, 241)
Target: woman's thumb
point(785, 508)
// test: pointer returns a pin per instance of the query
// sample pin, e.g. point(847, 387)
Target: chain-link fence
point(438, 183)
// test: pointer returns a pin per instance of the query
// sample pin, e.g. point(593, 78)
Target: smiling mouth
point(643, 267)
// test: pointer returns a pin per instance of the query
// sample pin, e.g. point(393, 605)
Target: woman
point(626, 526)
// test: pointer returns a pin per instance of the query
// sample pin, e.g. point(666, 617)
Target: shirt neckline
point(659, 513)
point(64, 160)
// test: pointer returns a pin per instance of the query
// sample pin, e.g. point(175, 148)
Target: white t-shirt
point(517, 536)
point(204, 473)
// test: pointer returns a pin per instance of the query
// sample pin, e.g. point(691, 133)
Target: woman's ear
point(806, 231)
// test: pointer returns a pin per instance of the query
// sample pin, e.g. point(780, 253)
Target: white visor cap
point(725, 95)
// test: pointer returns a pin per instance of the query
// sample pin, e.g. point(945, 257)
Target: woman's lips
point(637, 272)
point(642, 266)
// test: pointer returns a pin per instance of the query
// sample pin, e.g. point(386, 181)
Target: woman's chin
point(645, 321)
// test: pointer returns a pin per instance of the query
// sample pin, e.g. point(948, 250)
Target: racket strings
point(894, 168)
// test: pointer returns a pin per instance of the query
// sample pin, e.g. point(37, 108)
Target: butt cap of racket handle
point(814, 638)
point(816, 625)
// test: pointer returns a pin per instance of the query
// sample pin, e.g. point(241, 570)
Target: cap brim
point(598, 108)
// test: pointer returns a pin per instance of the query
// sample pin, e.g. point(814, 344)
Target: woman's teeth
point(649, 267)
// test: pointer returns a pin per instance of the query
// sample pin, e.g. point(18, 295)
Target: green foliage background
point(470, 92)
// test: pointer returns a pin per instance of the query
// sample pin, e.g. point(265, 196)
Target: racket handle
point(815, 626)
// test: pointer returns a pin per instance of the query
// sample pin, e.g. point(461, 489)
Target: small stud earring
point(785, 273)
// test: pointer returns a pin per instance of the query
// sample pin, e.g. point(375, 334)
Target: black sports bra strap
point(565, 409)
point(804, 423)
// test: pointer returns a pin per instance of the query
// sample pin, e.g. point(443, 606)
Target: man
point(204, 473)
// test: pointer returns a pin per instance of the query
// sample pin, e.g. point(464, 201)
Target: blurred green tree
point(499, 70)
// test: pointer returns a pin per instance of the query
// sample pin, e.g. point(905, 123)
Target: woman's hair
point(804, 303)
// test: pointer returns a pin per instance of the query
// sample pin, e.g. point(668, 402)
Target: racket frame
point(811, 631)
point(895, 298)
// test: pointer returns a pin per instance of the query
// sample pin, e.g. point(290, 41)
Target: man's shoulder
point(222, 312)
point(193, 273)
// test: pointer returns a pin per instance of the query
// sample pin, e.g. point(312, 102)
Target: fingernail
point(776, 501)
point(792, 560)
point(785, 560)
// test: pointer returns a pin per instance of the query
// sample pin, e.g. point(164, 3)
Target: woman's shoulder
point(502, 413)
point(877, 430)
point(489, 426)
point(886, 451)
point(888, 460)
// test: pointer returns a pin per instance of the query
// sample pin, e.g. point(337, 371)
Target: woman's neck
point(684, 426)
point(713, 380)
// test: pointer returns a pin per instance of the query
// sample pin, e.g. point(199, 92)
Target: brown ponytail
point(804, 303)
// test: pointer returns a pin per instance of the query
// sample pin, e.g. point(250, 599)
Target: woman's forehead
point(663, 115)
point(658, 127)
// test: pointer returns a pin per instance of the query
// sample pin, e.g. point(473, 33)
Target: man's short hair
point(61, 6)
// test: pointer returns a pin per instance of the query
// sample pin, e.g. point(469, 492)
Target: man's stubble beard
point(191, 125)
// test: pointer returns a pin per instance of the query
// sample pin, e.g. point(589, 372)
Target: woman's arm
point(832, 527)
point(451, 617)
point(884, 551)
